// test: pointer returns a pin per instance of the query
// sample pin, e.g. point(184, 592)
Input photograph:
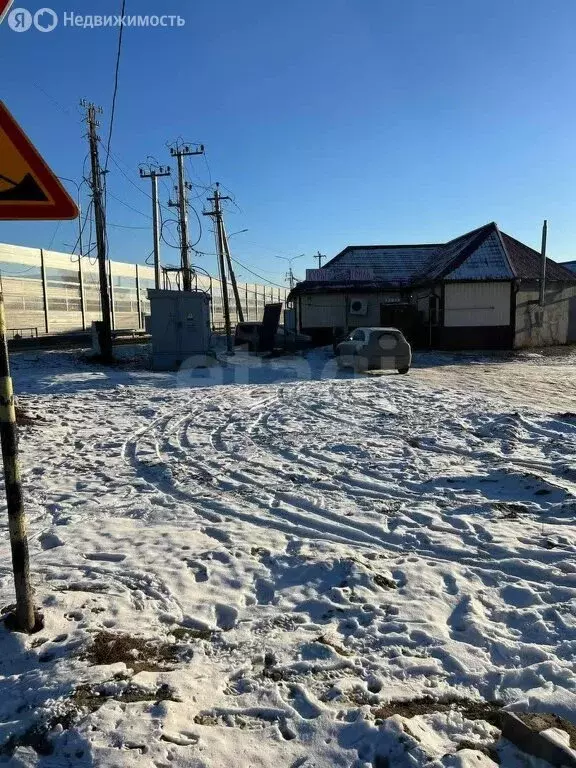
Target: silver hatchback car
point(379, 348)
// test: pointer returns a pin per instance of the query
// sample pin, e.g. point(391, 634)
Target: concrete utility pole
point(320, 256)
point(105, 334)
point(154, 174)
point(25, 618)
point(216, 214)
point(180, 153)
point(543, 267)
point(239, 310)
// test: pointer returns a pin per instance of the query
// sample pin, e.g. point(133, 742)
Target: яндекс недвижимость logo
point(46, 19)
point(21, 20)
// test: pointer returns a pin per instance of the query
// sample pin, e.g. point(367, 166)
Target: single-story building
point(480, 290)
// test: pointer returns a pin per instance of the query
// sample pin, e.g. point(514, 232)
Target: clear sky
point(333, 122)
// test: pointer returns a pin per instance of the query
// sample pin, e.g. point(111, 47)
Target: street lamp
point(78, 202)
point(290, 275)
point(240, 232)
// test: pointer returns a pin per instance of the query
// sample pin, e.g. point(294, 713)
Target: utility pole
point(105, 333)
point(543, 265)
point(239, 310)
point(216, 214)
point(154, 174)
point(180, 152)
point(320, 256)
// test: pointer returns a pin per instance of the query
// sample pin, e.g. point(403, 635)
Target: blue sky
point(332, 121)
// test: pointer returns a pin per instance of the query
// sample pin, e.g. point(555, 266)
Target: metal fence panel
point(51, 292)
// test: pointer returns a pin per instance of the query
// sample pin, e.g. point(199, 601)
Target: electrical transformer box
point(180, 328)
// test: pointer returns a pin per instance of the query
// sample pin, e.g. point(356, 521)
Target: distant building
point(571, 265)
point(480, 290)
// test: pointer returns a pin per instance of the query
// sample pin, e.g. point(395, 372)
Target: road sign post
point(14, 496)
point(29, 191)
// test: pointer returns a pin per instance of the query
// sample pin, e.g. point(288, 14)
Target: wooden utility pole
point(216, 214)
point(105, 333)
point(154, 174)
point(180, 152)
point(320, 256)
point(25, 617)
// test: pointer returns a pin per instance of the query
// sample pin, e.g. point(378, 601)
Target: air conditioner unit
point(358, 307)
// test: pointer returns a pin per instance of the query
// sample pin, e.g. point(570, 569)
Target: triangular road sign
point(29, 190)
point(4, 8)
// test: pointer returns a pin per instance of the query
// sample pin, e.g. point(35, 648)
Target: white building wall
point(555, 323)
point(331, 310)
point(469, 305)
point(323, 310)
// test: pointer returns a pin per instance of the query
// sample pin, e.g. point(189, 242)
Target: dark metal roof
point(450, 256)
point(485, 253)
point(527, 263)
point(393, 264)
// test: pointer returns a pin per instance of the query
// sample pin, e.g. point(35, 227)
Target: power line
point(58, 225)
point(118, 163)
point(127, 205)
point(266, 280)
point(199, 224)
point(124, 226)
point(116, 81)
point(86, 219)
point(270, 282)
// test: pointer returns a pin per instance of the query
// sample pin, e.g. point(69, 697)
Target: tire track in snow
point(295, 518)
point(250, 482)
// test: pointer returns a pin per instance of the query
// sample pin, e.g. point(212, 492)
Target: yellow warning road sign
point(29, 190)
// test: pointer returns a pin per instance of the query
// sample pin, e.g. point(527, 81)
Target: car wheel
point(403, 370)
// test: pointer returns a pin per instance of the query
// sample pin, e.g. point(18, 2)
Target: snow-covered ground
point(246, 567)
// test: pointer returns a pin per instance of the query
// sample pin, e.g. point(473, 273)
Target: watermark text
point(47, 20)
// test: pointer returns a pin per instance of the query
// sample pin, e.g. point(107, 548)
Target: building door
point(401, 316)
point(571, 319)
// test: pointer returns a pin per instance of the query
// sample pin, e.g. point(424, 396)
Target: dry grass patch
point(137, 653)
